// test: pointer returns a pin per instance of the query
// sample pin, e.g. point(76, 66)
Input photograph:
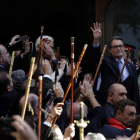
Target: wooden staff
point(137, 131)
point(12, 62)
point(72, 72)
point(56, 65)
point(39, 54)
point(28, 87)
point(124, 65)
point(102, 56)
point(40, 106)
point(69, 85)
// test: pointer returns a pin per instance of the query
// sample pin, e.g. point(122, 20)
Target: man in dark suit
point(112, 66)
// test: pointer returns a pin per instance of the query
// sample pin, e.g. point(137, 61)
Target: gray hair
point(96, 136)
point(44, 36)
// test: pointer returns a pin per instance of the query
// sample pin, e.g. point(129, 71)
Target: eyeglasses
point(116, 47)
point(6, 53)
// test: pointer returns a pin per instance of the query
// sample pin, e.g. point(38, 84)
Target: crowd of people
point(112, 116)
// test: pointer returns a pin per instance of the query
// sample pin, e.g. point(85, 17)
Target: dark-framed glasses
point(116, 47)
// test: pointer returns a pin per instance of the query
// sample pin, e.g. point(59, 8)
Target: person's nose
point(124, 97)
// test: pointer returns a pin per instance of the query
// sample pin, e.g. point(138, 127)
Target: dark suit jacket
point(112, 132)
point(110, 74)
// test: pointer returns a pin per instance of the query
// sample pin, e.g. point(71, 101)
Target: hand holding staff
point(75, 71)
point(72, 72)
point(56, 65)
point(12, 62)
point(99, 65)
point(39, 54)
point(40, 106)
point(28, 87)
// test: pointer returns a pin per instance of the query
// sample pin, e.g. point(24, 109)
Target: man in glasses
point(112, 65)
point(5, 59)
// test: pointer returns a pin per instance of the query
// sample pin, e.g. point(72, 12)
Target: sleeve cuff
point(95, 45)
point(48, 76)
point(47, 123)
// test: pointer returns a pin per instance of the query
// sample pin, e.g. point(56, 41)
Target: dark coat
point(109, 110)
point(111, 132)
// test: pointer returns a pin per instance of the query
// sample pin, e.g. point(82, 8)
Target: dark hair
point(115, 38)
point(30, 121)
point(110, 90)
point(122, 104)
point(4, 81)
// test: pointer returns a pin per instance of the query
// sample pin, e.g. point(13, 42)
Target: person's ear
point(110, 95)
point(119, 113)
point(110, 50)
point(8, 88)
point(36, 110)
point(1, 59)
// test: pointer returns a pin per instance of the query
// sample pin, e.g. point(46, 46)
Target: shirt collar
point(1, 66)
point(122, 60)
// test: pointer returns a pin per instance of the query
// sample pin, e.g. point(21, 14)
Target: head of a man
point(45, 39)
point(76, 110)
point(33, 101)
point(125, 111)
point(116, 47)
point(116, 92)
point(6, 84)
point(5, 57)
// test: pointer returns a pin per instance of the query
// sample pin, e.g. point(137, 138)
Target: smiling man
point(112, 65)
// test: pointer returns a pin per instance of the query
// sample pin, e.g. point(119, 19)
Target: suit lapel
point(114, 66)
point(129, 67)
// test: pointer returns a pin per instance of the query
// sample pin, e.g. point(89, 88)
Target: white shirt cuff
point(47, 123)
point(48, 76)
point(21, 55)
point(95, 45)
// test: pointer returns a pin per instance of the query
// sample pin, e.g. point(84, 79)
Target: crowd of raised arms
point(110, 106)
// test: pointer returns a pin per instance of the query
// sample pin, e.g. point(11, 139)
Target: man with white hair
point(46, 39)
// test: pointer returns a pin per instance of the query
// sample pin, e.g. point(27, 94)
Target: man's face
point(118, 94)
point(117, 49)
point(6, 58)
point(128, 116)
point(10, 87)
point(49, 42)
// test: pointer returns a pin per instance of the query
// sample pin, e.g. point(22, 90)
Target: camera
point(5, 125)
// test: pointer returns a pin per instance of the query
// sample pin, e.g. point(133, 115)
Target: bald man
point(116, 92)
point(33, 99)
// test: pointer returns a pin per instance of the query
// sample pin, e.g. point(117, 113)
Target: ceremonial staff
point(124, 65)
point(137, 131)
point(12, 62)
point(28, 87)
point(40, 107)
point(56, 65)
point(69, 85)
point(72, 72)
point(102, 56)
point(39, 54)
point(81, 124)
